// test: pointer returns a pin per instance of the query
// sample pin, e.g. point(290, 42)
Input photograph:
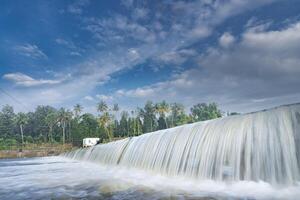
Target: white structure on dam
point(89, 142)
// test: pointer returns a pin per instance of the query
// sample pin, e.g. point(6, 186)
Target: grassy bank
point(34, 150)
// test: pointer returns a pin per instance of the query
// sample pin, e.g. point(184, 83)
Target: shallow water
point(61, 178)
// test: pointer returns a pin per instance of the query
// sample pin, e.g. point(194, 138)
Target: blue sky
point(244, 55)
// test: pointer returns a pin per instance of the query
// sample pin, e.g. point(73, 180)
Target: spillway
point(260, 146)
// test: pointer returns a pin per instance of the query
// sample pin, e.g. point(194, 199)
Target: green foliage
point(86, 126)
point(29, 139)
point(102, 107)
point(6, 144)
point(123, 129)
point(49, 125)
point(148, 116)
point(7, 125)
point(162, 108)
point(178, 116)
point(10, 142)
point(203, 111)
point(21, 119)
point(77, 110)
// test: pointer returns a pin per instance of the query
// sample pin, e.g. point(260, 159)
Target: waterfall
point(260, 146)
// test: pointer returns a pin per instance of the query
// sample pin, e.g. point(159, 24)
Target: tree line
point(47, 124)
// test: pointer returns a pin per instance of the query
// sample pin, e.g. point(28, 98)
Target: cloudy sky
point(244, 55)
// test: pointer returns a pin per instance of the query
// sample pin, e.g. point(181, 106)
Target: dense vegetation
point(49, 125)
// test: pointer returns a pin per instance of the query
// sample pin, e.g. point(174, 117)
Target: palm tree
point(21, 120)
point(162, 109)
point(104, 121)
point(134, 121)
point(77, 110)
point(51, 120)
point(149, 117)
point(177, 110)
point(69, 119)
point(138, 118)
point(105, 118)
point(64, 116)
point(102, 107)
point(116, 107)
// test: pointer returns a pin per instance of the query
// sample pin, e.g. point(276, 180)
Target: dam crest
point(258, 146)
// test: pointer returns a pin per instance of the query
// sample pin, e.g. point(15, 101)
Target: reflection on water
point(60, 178)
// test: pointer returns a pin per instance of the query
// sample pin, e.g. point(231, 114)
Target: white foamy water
point(61, 178)
point(262, 146)
point(246, 157)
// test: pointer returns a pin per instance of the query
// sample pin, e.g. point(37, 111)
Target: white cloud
point(104, 97)
point(278, 40)
point(30, 50)
point(74, 53)
point(77, 6)
point(199, 32)
point(62, 41)
point(89, 98)
point(133, 54)
point(226, 40)
point(140, 13)
point(261, 69)
point(74, 10)
point(74, 50)
point(52, 95)
point(161, 38)
point(127, 3)
point(176, 57)
point(145, 92)
point(118, 28)
point(67, 43)
point(27, 81)
point(154, 40)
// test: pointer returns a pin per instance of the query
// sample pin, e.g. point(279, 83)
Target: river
point(62, 178)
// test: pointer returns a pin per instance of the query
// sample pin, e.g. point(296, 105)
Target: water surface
point(61, 178)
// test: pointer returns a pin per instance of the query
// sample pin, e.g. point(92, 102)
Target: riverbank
point(34, 150)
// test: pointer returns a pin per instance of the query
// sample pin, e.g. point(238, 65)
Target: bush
point(29, 139)
point(40, 139)
point(8, 144)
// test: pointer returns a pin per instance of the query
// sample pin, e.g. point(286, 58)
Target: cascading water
point(257, 146)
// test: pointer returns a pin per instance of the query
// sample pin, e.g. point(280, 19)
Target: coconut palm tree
point(105, 117)
point(51, 120)
point(21, 119)
point(104, 121)
point(77, 110)
point(162, 109)
point(102, 107)
point(64, 116)
point(177, 114)
point(134, 121)
point(148, 115)
point(116, 107)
